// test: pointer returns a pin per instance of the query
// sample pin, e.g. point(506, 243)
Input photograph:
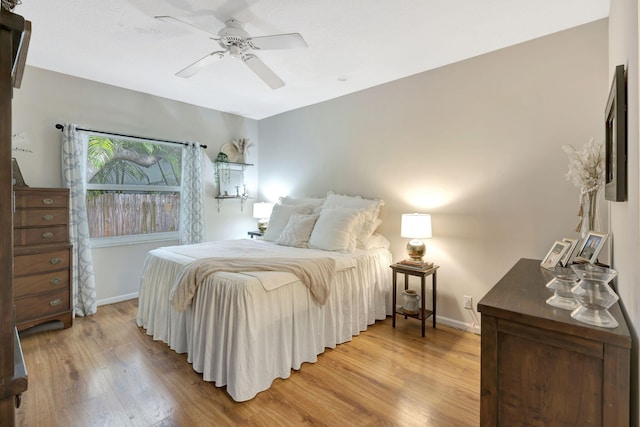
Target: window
point(133, 188)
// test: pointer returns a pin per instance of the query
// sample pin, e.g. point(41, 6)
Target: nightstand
point(422, 274)
point(255, 234)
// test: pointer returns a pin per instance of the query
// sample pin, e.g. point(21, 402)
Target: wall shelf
point(229, 177)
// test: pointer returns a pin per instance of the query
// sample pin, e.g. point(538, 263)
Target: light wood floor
point(105, 371)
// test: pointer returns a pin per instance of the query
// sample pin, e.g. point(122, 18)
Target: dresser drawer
point(34, 198)
point(40, 283)
point(42, 305)
point(41, 262)
point(40, 217)
point(40, 235)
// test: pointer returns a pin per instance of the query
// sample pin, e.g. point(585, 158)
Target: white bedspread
point(244, 330)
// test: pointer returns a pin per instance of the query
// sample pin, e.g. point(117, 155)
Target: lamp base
point(262, 225)
point(416, 250)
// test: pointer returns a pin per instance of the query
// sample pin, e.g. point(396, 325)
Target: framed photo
point(570, 254)
point(591, 247)
point(555, 254)
point(615, 188)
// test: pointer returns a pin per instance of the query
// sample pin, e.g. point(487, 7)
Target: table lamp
point(262, 212)
point(416, 226)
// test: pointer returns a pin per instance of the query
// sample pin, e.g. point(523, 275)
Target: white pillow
point(297, 231)
point(334, 230)
point(314, 201)
point(375, 241)
point(371, 207)
point(280, 217)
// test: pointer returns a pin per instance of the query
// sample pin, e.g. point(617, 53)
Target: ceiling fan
point(238, 43)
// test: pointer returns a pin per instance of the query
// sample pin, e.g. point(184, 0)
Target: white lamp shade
point(262, 210)
point(416, 226)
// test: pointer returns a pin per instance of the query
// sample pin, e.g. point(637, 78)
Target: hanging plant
point(221, 167)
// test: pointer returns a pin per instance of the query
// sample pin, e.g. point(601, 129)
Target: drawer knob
point(55, 261)
point(55, 281)
point(55, 302)
point(47, 201)
point(47, 235)
point(47, 217)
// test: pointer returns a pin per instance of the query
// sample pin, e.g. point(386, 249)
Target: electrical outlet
point(467, 302)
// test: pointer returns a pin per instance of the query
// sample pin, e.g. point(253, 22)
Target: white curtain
point(83, 281)
point(191, 196)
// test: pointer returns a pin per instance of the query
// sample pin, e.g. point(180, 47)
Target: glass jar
point(594, 295)
point(563, 281)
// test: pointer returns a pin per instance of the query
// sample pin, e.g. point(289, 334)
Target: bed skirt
point(238, 335)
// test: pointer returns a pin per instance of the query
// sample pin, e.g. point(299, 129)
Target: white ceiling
point(353, 44)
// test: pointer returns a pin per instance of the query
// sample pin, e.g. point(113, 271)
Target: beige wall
point(623, 49)
point(477, 144)
point(47, 98)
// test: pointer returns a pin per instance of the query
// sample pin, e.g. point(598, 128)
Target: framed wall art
point(615, 188)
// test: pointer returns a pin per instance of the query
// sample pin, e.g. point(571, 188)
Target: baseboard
point(119, 298)
point(469, 327)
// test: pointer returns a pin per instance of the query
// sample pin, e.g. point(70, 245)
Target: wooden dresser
point(14, 41)
point(539, 367)
point(42, 256)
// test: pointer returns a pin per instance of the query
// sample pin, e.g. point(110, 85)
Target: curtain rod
point(59, 126)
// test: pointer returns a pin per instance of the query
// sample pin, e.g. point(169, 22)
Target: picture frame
point(591, 247)
point(555, 254)
point(570, 254)
point(616, 139)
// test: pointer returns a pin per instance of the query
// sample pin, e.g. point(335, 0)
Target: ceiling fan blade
point(200, 64)
point(166, 18)
point(264, 72)
point(278, 41)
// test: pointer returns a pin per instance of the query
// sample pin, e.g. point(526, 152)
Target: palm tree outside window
point(133, 188)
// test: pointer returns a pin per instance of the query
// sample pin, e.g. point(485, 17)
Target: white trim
point(468, 327)
point(103, 242)
point(119, 298)
point(135, 188)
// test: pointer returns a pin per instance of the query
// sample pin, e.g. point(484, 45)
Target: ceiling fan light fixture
point(236, 51)
point(238, 43)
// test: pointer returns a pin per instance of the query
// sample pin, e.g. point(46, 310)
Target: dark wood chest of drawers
point(41, 257)
point(540, 367)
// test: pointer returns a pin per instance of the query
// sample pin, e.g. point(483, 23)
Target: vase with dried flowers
point(10, 4)
point(586, 170)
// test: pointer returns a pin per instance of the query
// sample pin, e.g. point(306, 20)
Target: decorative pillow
point(375, 241)
point(362, 238)
point(297, 231)
point(280, 217)
point(334, 230)
point(371, 207)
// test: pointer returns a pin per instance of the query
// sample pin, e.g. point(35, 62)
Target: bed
point(244, 329)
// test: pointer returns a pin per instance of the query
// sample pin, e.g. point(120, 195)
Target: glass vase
point(594, 295)
point(588, 210)
point(563, 281)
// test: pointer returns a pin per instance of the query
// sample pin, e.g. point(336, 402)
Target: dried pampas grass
point(10, 4)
